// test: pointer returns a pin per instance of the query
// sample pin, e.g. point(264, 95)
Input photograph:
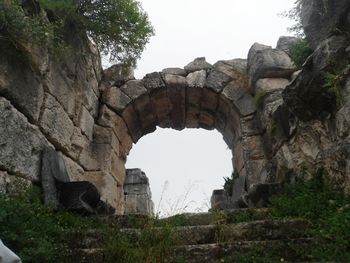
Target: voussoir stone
point(175, 71)
point(196, 79)
point(153, 81)
point(20, 143)
point(134, 89)
point(242, 100)
point(197, 65)
point(217, 80)
point(116, 99)
point(175, 81)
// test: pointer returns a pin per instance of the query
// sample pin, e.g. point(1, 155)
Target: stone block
point(250, 126)
point(56, 124)
point(241, 99)
point(106, 185)
point(132, 122)
point(74, 170)
point(20, 85)
point(106, 135)
point(153, 81)
point(135, 176)
point(116, 99)
point(138, 204)
point(270, 63)
point(197, 65)
point(134, 89)
point(86, 123)
point(270, 85)
point(196, 79)
point(222, 114)
point(146, 115)
point(162, 107)
point(177, 98)
point(118, 169)
point(21, 143)
point(175, 71)
point(254, 148)
point(217, 80)
point(79, 142)
point(236, 69)
point(209, 100)
point(239, 188)
point(96, 157)
point(138, 189)
point(207, 120)
point(285, 43)
point(192, 117)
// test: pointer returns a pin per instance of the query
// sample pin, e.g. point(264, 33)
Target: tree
point(119, 28)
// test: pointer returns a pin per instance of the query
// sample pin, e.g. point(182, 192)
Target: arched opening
point(184, 170)
point(199, 96)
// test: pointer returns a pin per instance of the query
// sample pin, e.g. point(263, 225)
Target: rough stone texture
point(153, 81)
point(285, 42)
point(197, 65)
point(321, 18)
point(270, 63)
point(56, 124)
point(20, 143)
point(196, 79)
point(86, 123)
point(310, 95)
point(270, 85)
point(133, 89)
point(138, 196)
point(175, 71)
point(115, 98)
point(118, 75)
point(20, 85)
point(107, 186)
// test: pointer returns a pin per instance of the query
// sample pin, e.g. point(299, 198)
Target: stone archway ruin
point(198, 96)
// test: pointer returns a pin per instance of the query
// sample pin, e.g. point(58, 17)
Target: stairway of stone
point(215, 238)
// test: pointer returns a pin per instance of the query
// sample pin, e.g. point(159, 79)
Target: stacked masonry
point(137, 192)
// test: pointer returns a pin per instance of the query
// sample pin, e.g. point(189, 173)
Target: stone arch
point(198, 96)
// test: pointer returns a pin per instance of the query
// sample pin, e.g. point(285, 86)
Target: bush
point(120, 28)
point(300, 51)
point(328, 211)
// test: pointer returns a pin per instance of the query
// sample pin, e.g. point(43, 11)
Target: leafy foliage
point(329, 212)
point(300, 51)
point(120, 28)
point(294, 15)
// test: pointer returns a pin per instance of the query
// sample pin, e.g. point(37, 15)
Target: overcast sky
point(192, 163)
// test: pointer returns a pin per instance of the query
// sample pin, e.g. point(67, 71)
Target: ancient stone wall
point(278, 122)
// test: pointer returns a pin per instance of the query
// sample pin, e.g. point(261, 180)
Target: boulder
point(285, 43)
point(197, 65)
point(269, 63)
point(115, 98)
point(153, 81)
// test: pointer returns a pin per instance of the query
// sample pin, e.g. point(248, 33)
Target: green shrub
point(300, 51)
point(328, 211)
point(120, 28)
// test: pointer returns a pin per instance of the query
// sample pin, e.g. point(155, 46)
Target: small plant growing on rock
point(300, 51)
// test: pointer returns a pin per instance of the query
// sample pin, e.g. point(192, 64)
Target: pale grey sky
point(194, 162)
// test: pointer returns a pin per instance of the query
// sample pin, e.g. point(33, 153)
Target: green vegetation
point(33, 231)
point(327, 209)
point(300, 51)
point(228, 185)
point(119, 28)
point(331, 85)
point(259, 98)
point(294, 15)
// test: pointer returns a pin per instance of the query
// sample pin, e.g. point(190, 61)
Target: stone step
point(209, 218)
point(287, 250)
point(203, 234)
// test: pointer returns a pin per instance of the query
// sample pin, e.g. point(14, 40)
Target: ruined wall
point(278, 122)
